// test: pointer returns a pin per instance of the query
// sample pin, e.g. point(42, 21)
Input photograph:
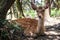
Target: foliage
point(30, 13)
point(10, 31)
point(55, 12)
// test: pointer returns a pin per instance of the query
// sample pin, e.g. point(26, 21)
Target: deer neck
point(40, 24)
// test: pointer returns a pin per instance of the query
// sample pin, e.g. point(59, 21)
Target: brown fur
point(29, 24)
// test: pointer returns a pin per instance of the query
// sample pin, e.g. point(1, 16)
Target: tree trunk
point(48, 11)
point(19, 8)
point(47, 16)
point(4, 6)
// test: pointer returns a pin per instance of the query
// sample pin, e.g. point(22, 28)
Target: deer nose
point(39, 16)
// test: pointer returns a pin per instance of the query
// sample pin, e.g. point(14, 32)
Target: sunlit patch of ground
point(52, 33)
point(51, 21)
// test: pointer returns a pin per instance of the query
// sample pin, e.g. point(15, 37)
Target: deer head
point(40, 10)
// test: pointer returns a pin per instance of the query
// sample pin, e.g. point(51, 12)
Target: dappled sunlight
point(52, 33)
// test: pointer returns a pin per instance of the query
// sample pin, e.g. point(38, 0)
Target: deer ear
point(34, 7)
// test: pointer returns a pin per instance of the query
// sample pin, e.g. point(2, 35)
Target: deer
point(33, 27)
